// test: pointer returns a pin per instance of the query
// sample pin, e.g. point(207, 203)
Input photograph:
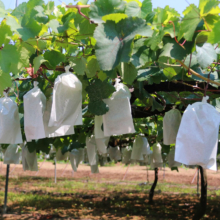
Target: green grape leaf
point(173, 50)
point(98, 91)
point(155, 41)
point(23, 61)
point(28, 30)
point(8, 56)
point(86, 28)
point(113, 41)
point(114, 17)
point(147, 74)
point(56, 26)
point(20, 11)
point(41, 144)
point(202, 38)
point(169, 72)
point(206, 55)
point(193, 62)
point(102, 76)
point(5, 81)
point(151, 75)
point(54, 57)
point(92, 66)
point(101, 8)
point(146, 8)
point(2, 9)
point(187, 29)
point(112, 73)
point(5, 32)
point(49, 8)
point(79, 65)
point(25, 86)
point(37, 62)
point(216, 104)
point(98, 107)
point(206, 6)
point(156, 106)
point(40, 16)
point(140, 54)
point(128, 72)
point(135, 10)
point(213, 36)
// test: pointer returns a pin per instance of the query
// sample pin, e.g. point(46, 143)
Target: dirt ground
point(111, 204)
point(114, 173)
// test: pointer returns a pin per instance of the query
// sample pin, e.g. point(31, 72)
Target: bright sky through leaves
point(179, 5)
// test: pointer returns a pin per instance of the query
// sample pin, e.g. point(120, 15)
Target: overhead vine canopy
point(164, 59)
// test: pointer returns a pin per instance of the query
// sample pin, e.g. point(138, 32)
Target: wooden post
point(203, 200)
point(151, 195)
point(55, 170)
point(6, 189)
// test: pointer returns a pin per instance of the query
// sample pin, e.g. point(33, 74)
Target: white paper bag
point(34, 106)
point(76, 156)
point(114, 153)
point(10, 131)
point(118, 120)
point(102, 144)
point(171, 123)
point(126, 155)
point(60, 156)
point(92, 154)
point(29, 160)
point(147, 158)
point(55, 131)
point(12, 154)
point(91, 150)
point(137, 150)
point(95, 168)
point(197, 138)
point(156, 157)
point(98, 124)
point(67, 100)
point(140, 148)
point(170, 158)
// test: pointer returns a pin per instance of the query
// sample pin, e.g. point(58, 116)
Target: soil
point(98, 204)
point(114, 173)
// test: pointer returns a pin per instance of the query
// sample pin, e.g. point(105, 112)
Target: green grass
point(120, 198)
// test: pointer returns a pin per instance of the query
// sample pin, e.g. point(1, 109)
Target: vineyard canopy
point(166, 60)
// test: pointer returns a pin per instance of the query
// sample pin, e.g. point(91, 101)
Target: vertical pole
point(164, 171)
point(198, 182)
point(6, 190)
point(16, 3)
point(55, 170)
point(126, 172)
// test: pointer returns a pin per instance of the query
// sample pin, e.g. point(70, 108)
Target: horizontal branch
point(198, 75)
point(77, 6)
point(179, 86)
point(22, 79)
point(141, 112)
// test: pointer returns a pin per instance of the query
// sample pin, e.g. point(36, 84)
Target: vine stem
point(171, 22)
point(198, 75)
point(77, 6)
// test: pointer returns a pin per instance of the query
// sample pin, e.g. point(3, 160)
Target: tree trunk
point(200, 212)
point(151, 195)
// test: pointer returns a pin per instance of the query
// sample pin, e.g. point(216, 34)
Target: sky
point(179, 5)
